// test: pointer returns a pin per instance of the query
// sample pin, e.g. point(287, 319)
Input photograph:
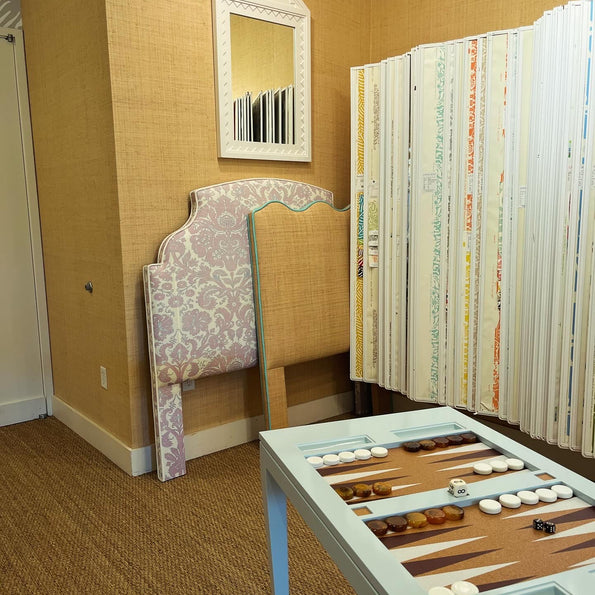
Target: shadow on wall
point(10, 14)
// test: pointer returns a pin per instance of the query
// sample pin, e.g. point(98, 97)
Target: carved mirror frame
point(292, 13)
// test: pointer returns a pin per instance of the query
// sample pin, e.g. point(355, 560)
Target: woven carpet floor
point(72, 522)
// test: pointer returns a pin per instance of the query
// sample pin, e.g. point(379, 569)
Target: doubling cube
point(538, 524)
point(458, 488)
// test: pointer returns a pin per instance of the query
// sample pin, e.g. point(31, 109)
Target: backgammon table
point(499, 553)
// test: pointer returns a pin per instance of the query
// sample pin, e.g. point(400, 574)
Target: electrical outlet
point(103, 377)
point(188, 385)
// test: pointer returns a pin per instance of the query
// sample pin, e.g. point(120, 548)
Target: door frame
point(33, 210)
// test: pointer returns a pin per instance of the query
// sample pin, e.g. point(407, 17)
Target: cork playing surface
point(493, 551)
point(414, 472)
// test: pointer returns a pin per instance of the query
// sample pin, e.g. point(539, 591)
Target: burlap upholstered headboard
point(199, 300)
point(300, 268)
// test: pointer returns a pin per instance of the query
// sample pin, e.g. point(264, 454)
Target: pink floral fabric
point(199, 299)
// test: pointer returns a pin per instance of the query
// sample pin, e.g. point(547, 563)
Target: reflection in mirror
point(262, 80)
point(262, 69)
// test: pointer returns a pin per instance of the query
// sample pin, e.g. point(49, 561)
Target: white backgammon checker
point(331, 460)
point(490, 506)
point(528, 497)
point(482, 468)
point(509, 501)
point(362, 454)
point(498, 465)
point(562, 491)
point(346, 456)
point(379, 451)
point(464, 588)
point(515, 464)
point(546, 495)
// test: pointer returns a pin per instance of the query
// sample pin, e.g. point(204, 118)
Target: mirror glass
point(262, 68)
point(262, 80)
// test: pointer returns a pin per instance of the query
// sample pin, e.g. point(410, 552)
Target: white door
point(25, 373)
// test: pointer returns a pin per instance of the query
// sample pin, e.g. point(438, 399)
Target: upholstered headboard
point(300, 271)
point(199, 300)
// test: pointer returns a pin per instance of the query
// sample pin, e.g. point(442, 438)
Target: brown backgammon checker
point(362, 490)
point(435, 516)
point(427, 444)
point(453, 512)
point(398, 524)
point(441, 442)
point(345, 492)
point(416, 519)
point(378, 527)
point(381, 488)
point(412, 446)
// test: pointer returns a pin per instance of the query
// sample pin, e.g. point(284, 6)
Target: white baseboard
point(113, 448)
point(245, 430)
point(16, 412)
point(136, 461)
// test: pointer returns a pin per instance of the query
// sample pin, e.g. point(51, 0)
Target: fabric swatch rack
point(473, 222)
point(267, 118)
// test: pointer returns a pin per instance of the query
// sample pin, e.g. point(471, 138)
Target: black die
point(549, 527)
point(538, 524)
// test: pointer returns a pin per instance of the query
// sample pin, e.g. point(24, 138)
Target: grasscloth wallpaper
point(75, 156)
point(399, 25)
point(123, 106)
point(123, 109)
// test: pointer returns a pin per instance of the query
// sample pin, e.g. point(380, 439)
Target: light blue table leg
point(275, 510)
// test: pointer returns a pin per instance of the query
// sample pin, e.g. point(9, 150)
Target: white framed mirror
point(262, 79)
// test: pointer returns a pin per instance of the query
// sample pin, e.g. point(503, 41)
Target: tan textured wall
point(399, 25)
point(69, 86)
point(164, 112)
point(123, 109)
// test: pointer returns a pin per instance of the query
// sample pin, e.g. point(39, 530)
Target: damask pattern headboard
point(199, 300)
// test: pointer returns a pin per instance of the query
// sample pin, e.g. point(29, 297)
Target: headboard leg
point(274, 399)
point(169, 432)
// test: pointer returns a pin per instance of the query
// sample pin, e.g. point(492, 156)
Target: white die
point(458, 488)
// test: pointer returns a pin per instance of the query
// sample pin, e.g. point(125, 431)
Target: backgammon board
point(374, 490)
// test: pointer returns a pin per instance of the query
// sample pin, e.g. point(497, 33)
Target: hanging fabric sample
point(490, 210)
point(428, 225)
point(559, 233)
point(518, 91)
point(356, 276)
point(393, 215)
point(473, 225)
point(365, 189)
